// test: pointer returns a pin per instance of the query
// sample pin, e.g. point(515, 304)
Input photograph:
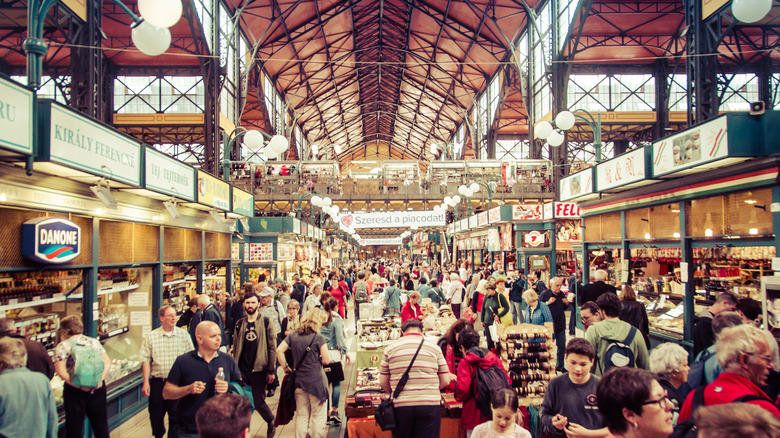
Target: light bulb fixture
point(750, 11)
point(708, 232)
point(150, 39)
point(102, 191)
point(753, 231)
point(677, 235)
point(253, 139)
point(647, 236)
point(173, 211)
point(160, 13)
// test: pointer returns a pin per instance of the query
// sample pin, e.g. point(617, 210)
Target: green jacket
point(266, 344)
point(600, 334)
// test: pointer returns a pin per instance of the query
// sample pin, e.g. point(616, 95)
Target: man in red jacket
point(744, 354)
point(473, 357)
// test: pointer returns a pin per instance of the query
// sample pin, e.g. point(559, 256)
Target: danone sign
point(51, 240)
point(395, 219)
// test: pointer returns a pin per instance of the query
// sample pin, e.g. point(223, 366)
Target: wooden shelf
point(113, 333)
point(107, 291)
point(173, 283)
point(31, 303)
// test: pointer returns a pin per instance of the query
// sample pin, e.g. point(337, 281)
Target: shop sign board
point(534, 239)
point(506, 237)
point(393, 219)
point(451, 228)
point(285, 252)
point(457, 226)
point(693, 147)
point(16, 117)
point(527, 212)
point(622, 170)
point(75, 141)
point(296, 226)
point(51, 240)
point(464, 224)
point(494, 215)
point(473, 221)
point(213, 191)
point(169, 176)
point(482, 219)
point(561, 210)
point(494, 242)
point(391, 241)
point(568, 231)
point(577, 185)
point(243, 202)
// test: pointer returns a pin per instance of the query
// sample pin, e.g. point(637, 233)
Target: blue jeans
point(335, 396)
point(560, 342)
point(517, 311)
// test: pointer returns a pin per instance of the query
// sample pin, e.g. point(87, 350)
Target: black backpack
point(696, 375)
point(688, 429)
point(619, 354)
point(488, 381)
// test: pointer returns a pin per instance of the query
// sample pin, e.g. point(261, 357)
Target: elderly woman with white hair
point(455, 291)
point(669, 361)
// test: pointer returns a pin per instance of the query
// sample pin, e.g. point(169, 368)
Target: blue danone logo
point(51, 240)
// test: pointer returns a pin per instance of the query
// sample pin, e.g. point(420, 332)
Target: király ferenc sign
point(393, 219)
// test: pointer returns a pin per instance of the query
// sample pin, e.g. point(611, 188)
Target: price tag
point(663, 300)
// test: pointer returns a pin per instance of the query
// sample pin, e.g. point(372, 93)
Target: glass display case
point(36, 301)
point(176, 288)
point(734, 269)
point(125, 316)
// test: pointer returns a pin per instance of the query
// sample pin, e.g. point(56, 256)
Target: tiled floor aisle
point(139, 426)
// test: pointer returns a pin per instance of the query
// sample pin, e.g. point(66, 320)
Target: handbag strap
point(305, 352)
point(405, 377)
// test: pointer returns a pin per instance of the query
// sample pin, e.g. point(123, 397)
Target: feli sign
point(51, 240)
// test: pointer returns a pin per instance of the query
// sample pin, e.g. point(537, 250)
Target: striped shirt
point(161, 349)
point(422, 388)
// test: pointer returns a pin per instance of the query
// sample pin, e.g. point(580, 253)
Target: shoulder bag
point(385, 412)
point(288, 391)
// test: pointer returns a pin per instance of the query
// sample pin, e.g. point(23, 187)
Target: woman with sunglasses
point(634, 405)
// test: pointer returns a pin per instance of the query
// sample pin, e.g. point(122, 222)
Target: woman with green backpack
point(83, 364)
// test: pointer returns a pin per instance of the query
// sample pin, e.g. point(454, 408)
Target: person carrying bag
point(385, 412)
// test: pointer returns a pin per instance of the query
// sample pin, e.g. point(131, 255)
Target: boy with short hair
point(569, 405)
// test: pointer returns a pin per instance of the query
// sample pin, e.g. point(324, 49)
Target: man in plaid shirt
point(160, 349)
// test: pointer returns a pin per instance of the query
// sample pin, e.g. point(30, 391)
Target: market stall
point(685, 219)
point(126, 229)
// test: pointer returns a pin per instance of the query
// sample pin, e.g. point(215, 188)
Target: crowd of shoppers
point(274, 326)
